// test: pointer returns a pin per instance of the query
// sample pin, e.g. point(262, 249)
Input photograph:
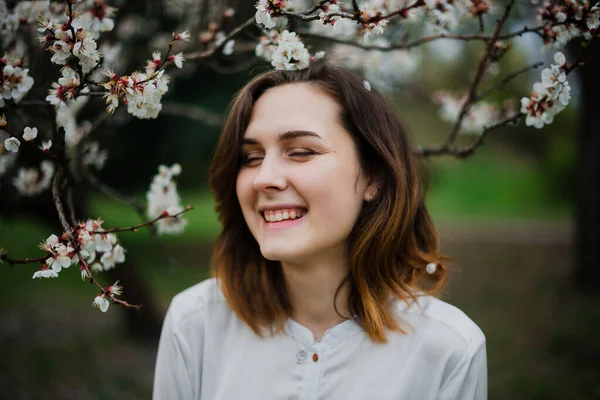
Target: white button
point(301, 356)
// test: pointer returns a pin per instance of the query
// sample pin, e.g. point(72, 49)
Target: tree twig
point(71, 237)
point(577, 62)
point(420, 41)
point(471, 96)
point(192, 112)
point(507, 79)
point(467, 150)
point(148, 223)
point(4, 258)
point(210, 52)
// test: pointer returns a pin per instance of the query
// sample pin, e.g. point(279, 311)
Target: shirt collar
point(337, 333)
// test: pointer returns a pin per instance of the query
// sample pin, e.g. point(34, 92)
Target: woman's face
point(300, 186)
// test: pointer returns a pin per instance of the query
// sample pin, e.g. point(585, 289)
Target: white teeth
point(281, 215)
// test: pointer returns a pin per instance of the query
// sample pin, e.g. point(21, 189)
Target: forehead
point(297, 106)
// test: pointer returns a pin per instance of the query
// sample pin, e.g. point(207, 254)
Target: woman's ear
point(374, 184)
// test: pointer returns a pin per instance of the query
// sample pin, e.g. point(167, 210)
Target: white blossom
point(549, 97)
point(178, 60)
point(100, 250)
point(553, 77)
point(85, 275)
point(83, 46)
point(97, 19)
point(65, 89)
point(441, 17)
point(7, 159)
point(185, 35)
point(162, 196)
point(33, 181)
point(51, 242)
point(263, 13)
point(478, 116)
point(266, 46)
point(12, 144)
point(45, 24)
point(568, 20)
point(116, 289)
point(61, 258)
point(31, 11)
point(171, 224)
point(97, 267)
point(86, 51)
point(8, 27)
point(431, 268)
point(45, 272)
point(228, 48)
point(66, 116)
point(113, 257)
point(86, 243)
point(62, 52)
point(101, 302)
point(384, 70)
point(290, 53)
point(15, 82)
point(104, 242)
point(334, 25)
point(46, 145)
point(143, 93)
point(92, 155)
point(29, 133)
point(375, 28)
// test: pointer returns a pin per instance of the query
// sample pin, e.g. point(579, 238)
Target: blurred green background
point(505, 216)
point(500, 216)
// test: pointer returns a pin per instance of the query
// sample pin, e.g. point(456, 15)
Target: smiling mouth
point(274, 216)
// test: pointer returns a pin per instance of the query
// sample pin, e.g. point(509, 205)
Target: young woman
point(327, 263)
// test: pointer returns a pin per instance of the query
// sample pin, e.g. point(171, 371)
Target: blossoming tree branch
point(281, 32)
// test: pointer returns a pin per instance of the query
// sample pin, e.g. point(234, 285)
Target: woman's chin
point(283, 255)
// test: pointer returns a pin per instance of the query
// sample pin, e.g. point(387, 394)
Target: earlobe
point(370, 194)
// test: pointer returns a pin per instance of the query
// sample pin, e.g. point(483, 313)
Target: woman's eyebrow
point(289, 135)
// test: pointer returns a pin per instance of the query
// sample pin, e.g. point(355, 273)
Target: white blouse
point(206, 352)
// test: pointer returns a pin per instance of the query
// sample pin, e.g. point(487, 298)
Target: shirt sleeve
point(468, 381)
point(171, 374)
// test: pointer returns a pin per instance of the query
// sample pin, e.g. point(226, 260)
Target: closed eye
point(250, 159)
point(304, 153)
point(254, 159)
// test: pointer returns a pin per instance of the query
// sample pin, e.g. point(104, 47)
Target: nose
point(270, 176)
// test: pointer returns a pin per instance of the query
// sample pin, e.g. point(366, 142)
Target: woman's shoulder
point(434, 317)
point(192, 302)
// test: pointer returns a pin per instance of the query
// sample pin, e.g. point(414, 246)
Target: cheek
point(331, 191)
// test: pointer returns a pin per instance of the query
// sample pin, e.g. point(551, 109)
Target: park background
point(505, 217)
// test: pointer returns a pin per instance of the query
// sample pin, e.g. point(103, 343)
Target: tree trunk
point(146, 322)
point(587, 229)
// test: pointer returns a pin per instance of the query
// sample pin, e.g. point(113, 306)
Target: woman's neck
point(311, 289)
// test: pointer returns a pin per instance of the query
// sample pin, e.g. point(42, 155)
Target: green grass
point(487, 186)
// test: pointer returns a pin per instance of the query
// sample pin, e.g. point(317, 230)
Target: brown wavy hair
point(391, 242)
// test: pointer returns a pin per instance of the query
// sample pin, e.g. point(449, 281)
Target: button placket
point(314, 371)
